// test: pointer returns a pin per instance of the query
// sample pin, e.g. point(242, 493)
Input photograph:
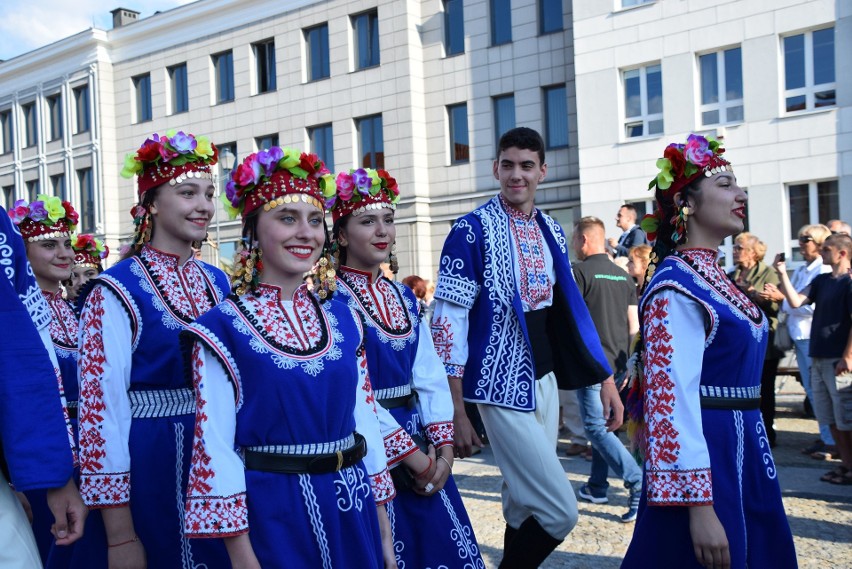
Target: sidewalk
point(820, 514)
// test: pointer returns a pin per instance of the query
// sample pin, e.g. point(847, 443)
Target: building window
point(264, 59)
point(643, 101)
point(809, 70)
point(54, 109)
point(223, 65)
point(8, 141)
point(459, 141)
point(370, 141)
point(549, 16)
point(30, 125)
point(8, 196)
point(33, 190)
point(81, 109)
point(811, 203)
point(501, 22)
point(57, 186)
point(179, 88)
point(318, 56)
point(453, 27)
point(322, 144)
point(142, 88)
point(628, 3)
point(504, 116)
point(87, 200)
point(266, 142)
point(721, 86)
point(556, 116)
point(366, 28)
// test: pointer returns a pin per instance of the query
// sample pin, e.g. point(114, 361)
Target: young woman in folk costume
point(280, 375)
point(430, 525)
point(89, 254)
point(46, 225)
point(711, 496)
point(136, 411)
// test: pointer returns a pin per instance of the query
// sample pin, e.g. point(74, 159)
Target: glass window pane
point(459, 143)
point(556, 109)
point(81, 103)
point(800, 213)
point(710, 117)
point(828, 201)
point(632, 94)
point(825, 99)
point(823, 56)
point(501, 22)
point(654, 82)
point(322, 144)
point(504, 115)
point(709, 79)
point(318, 52)
point(550, 16)
point(796, 103)
point(735, 114)
point(372, 143)
point(794, 62)
point(453, 27)
point(367, 39)
point(633, 129)
point(733, 74)
point(655, 126)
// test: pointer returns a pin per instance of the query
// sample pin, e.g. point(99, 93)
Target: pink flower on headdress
point(183, 143)
point(37, 211)
point(362, 181)
point(345, 186)
point(19, 211)
point(247, 173)
point(231, 192)
point(138, 211)
point(165, 153)
point(697, 150)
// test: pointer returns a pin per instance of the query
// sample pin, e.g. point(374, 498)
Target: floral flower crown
point(89, 251)
point(360, 190)
point(271, 177)
point(48, 217)
point(680, 165)
point(163, 159)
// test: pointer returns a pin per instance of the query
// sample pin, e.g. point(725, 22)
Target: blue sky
point(26, 25)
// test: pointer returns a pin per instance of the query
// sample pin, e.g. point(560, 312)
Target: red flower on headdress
point(675, 156)
point(308, 163)
point(70, 213)
point(149, 151)
point(390, 182)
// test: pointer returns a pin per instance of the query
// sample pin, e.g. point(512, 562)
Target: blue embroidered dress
point(432, 531)
point(705, 339)
point(136, 410)
point(285, 376)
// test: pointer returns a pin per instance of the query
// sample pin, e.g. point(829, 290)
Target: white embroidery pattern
point(352, 489)
point(760, 429)
point(316, 518)
point(461, 534)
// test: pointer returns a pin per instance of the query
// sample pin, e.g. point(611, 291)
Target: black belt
point(306, 463)
point(394, 402)
point(71, 407)
point(730, 403)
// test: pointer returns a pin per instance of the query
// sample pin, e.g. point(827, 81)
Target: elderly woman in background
point(811, 238)
point(638, 259)
point(752, 276)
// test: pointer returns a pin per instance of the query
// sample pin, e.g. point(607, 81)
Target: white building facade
point(424, 87)
point(772, 77)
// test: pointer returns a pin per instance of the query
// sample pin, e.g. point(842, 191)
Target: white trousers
point(17, 545)
point(524, 446)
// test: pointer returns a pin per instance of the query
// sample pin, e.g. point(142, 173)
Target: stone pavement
point(820, 514)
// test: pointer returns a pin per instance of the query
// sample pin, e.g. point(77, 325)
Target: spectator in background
point(751, 276)
point(632, 234)
point(418, 287)
point(811, 238)
point(838, 226)
point(638, 259)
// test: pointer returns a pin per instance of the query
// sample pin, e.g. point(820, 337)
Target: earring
point(143, 229)
point(679, 223)
point(326, 276)
point(248, 268)
point(392, 260)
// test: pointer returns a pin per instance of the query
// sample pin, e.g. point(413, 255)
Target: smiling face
point(519, 171)
point(52, 260)
point(718, 210)
point(182, 214)
point(368, 239)
point(291, 237)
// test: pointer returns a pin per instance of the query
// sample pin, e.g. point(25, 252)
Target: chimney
point(123, 16)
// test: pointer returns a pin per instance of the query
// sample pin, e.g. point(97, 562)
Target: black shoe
point(530, 546)
point(508, 536)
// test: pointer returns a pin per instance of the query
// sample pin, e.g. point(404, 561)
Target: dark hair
point(416, 284)
point(523, 138)
point(335, 237)
point(147, 201)
point(842, 241)
point(629, 207)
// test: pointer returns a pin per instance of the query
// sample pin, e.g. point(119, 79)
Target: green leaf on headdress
point(298, 172)
point(229, 209)
point(689, 170)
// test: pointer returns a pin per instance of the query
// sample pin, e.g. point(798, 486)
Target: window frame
point(376, 151)
point(260, 141)
point(548, 133)
point(323, 52)
point(33, 188)
point(451, 28)
point(498, 129)
point(644, 118)
point(82, 98)
point(7, 132)
point(142, 98)
point(494, 11)
point(87, 209)
point(723, 105)
point(373, 55)
point(457, 154)
point(810, 89)
point(265, 66)
point(178, 88)
point(55, 115)
point(814, 215)
point(30, 113)
point(223, 76)
point(546, 6)
point(59, 190)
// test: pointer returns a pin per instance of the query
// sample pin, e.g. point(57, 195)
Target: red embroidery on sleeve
point(442, 337)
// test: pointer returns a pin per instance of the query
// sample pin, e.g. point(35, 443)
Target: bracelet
point(425, 471)
point(135, 539)
point(450, 466)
